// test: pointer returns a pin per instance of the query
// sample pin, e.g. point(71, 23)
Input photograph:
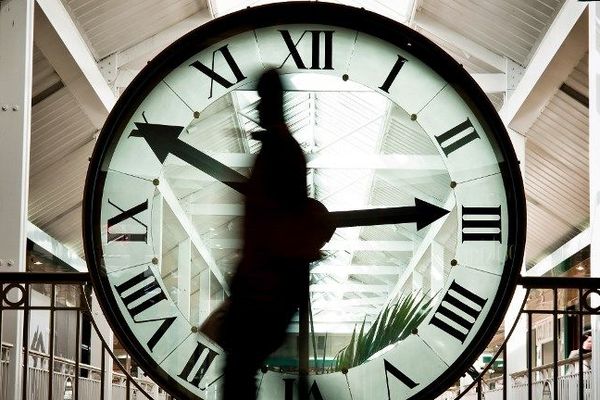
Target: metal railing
point(70, 378)
point(554, 380)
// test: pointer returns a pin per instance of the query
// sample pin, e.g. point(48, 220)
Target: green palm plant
point(394, 323)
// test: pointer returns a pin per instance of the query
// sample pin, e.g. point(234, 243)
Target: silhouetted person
point(272, 277)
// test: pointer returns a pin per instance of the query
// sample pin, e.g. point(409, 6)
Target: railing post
point(99, 356)
point(514, 347)
point(594, 168)
point(16, 51)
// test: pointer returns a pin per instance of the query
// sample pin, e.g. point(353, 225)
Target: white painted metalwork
point(16, 60)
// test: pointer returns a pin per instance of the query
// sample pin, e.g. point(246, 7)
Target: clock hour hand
point(422, 213)
point(164, 140)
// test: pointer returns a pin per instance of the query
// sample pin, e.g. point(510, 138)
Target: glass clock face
point(387, 121)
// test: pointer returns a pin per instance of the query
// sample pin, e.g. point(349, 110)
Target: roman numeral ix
point(148, 296)
point(125, 215)
point(316, 49)
point(457, 137)
point(458, 320)
point(214, 76)
point(390, 369)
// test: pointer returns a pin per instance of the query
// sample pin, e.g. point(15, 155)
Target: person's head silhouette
point(270, 108)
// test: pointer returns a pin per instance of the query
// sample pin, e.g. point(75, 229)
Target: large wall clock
point(388, 121)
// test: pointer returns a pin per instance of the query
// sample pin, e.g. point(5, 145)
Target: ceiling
point(488, 38)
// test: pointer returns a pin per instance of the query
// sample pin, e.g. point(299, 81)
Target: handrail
point(560, 363)
point(112, 355)
point(481, 375)
point(44, 277)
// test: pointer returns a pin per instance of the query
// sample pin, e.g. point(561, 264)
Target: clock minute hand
point(422, 213)
point(164, 140)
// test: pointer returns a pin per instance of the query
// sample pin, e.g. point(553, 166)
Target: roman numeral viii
point(481, 224)
point(214, 76)
point(315, 46)
point(141, 290)
point(200, 352)
point(457, 137)
point(458, 319)
point(390, 369)
point(124, 216)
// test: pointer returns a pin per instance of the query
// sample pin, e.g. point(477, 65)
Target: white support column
point(516, 352)
point(594, 164)
point(184, 276)
point(204, 295)
point(436, 268)
point(16, 55)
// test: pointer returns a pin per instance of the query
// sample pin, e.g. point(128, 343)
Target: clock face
point(387, 121)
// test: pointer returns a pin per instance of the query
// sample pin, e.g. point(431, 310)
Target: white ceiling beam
point(349, 287)
point(491, 83)
point(561, 254)
point(558, 53)
point(329, 327)
point(189, 228)
point(357, 269)
point(58, 38)
point(456, 39)
point(56, 248)
point(420, 251)
point(347, 245)
point(402, 162)
point(365, 301)
point(148, 48)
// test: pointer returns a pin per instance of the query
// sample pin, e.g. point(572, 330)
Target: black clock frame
point(306, 13)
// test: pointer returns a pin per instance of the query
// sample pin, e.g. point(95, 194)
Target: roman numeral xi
point(217, 77)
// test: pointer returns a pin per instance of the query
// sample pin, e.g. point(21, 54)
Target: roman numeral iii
point(458, 311)
point(316, 55)
point(481, 224)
